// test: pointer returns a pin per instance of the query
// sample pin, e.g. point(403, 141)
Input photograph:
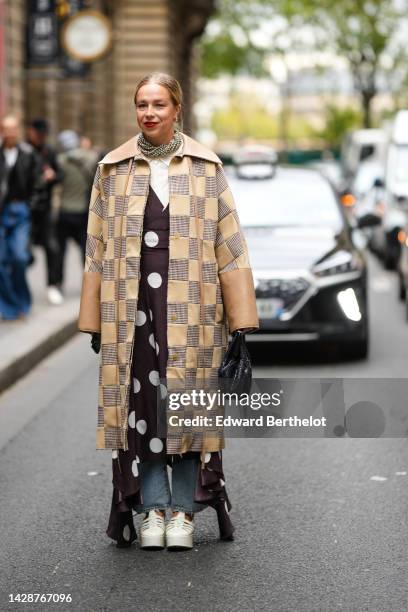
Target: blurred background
point(310, 70)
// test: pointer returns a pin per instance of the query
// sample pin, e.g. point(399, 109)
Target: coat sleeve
point(89, 312)
point(234, 270)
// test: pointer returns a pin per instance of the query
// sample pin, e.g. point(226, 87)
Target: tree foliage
point(368, 34)
point(337, 122)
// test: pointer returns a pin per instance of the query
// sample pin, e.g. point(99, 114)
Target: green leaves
point(222, 54)
point(368, 34)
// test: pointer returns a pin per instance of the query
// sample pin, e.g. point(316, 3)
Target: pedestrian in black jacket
point(42, 219)
point(19, 179)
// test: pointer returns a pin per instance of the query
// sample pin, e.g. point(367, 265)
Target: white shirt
point(159, 176)
point(10, 156)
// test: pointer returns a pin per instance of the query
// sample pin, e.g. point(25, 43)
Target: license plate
point(270, 308)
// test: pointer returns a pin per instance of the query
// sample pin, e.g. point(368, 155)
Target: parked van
point(359, 146)
point(396, 189)
point(397, 157)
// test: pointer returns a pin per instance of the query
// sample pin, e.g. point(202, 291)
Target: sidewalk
point(24, 343)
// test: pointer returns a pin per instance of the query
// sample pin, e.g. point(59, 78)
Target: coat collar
point(130, 149)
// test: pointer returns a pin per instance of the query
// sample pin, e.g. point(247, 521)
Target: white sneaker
point(54, 295)
point(152, 531)
point(179, 532)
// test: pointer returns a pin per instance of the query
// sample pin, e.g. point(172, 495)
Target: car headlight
point(340, 262)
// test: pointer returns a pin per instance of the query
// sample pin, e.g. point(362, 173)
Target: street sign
point(42, 33)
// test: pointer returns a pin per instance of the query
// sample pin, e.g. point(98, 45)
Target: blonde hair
point(170, 83)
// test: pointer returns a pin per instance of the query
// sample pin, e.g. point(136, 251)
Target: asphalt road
point(314, 530)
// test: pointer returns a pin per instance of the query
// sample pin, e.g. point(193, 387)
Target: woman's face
point(156, 113)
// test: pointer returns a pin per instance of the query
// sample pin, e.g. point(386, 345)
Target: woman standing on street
point(166, 276)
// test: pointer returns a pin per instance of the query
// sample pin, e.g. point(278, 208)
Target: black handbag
point(236, 365)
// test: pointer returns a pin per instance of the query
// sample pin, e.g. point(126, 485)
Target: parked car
point(310, 277)
point(363, 187)
point(402, 266)
point(380, 154)
point(385, 239)
point(396, 190)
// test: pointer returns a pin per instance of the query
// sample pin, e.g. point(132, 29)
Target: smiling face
point(156, 113)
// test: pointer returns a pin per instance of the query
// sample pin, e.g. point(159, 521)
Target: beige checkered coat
point(199, 314)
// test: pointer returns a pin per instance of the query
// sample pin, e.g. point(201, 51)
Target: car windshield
point(301, 199)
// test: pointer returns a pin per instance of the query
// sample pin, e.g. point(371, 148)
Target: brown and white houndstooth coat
point(196, 341)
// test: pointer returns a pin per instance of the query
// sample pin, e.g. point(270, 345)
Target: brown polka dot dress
point(148, 367)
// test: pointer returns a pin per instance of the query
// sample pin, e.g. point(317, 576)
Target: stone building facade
point(147, 35)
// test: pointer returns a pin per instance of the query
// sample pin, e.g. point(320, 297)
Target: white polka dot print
point(163, 390)
point(151, 314)
point(141, 426)
point(207, 457)
point(114, 454)
point(131, 419)
point(154, 279)
point(136, 385)
point(226, 507)
point(154, 377)
point(222, 483)
point(156, 445)
point(135, 471)
point(152, 340)
point(140, 318)
point(157, 348)
point(151, 239)
point(126, 533)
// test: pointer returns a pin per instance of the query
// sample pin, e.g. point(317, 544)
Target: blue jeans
point(155, 488)
point(15, 297)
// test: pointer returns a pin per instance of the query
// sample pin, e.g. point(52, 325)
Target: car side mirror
point(368, 220)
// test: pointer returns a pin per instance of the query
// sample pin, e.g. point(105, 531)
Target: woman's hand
point(96, 342)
